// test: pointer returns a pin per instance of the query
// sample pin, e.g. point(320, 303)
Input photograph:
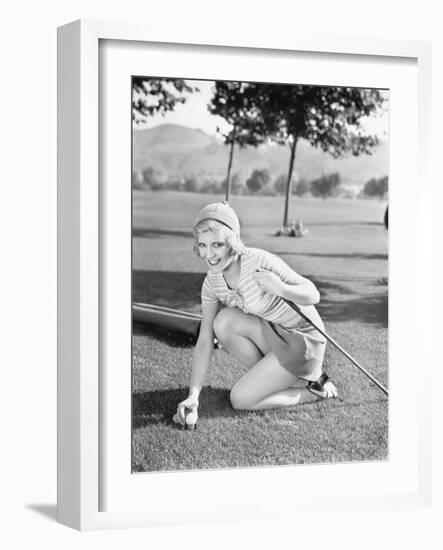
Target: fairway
point(345, 253)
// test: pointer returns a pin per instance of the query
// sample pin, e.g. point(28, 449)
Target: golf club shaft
point(334, 343)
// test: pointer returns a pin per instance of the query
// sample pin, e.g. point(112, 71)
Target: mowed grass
point(345, 254)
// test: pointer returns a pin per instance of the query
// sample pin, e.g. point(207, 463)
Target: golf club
point(335, 344)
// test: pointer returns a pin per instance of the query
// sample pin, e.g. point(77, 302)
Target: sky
point(194, 114)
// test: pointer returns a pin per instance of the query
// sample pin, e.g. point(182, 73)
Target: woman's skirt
point(299, 349)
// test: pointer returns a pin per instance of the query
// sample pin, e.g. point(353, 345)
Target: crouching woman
point(243, 304)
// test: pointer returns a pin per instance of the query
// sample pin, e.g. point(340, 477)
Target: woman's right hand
point(189, 405)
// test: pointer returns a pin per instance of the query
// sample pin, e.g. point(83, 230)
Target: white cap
point(220, 212)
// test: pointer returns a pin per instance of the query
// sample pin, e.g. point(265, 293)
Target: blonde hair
point(235, 244)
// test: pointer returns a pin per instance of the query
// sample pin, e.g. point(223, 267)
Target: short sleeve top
point(248, 296)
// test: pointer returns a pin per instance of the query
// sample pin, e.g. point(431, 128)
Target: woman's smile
point(214, 261)
point(214, 251)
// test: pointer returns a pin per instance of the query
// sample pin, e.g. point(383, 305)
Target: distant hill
point(179, 151)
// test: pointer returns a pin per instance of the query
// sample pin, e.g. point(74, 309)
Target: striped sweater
point(248, 296)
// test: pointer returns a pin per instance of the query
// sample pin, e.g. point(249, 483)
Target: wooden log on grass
point(166, 318)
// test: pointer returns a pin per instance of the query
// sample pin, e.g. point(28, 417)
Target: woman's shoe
point(323, 387)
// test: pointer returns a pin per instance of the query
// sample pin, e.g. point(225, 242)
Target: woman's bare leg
point(267, 384)
point(241, 335)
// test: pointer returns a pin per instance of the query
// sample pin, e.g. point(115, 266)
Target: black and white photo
point(259, 274)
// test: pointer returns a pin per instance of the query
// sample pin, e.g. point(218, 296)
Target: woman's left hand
point(268, 281)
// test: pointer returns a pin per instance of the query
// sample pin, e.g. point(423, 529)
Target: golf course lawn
point(345, 253)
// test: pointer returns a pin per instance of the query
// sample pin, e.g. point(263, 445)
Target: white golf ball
point(191, 419)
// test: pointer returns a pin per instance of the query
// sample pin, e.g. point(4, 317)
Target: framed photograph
point(302, 138)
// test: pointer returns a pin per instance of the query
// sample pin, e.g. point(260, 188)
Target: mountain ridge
point(175, 150)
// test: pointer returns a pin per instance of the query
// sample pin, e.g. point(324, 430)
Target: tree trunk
point(229, 175)
point(289, 182)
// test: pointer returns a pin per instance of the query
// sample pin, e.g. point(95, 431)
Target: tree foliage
point(302, 187)
point(234, 102)
point(326, 185)
point(376, 187)
point(327, 117)
point(236, 184)
point(190, 183)
point(258, 179)
point(137, 180)
point(153, 178)
point(280, 183)
point(151, 96)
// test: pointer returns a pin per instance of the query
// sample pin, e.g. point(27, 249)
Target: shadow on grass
point(158, 233)
point(173, 339)
point(368, 309)
point(342, 256)
point(327, 286)
point(181, 290)
point(158, 407)
point(176, 289)
point(365, 309)
point(343, 222)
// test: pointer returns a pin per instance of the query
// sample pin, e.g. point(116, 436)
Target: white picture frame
point(82, 294)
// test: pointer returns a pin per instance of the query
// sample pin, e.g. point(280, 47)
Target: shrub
point(280, 184)
point(190, 184)
point(137, 181)
point(301, 188)
point(326, 185)
point(268, 190)
point(152, 178)
point(376, 187)
point(210, 185)
point(258, 179)
point(236, 184)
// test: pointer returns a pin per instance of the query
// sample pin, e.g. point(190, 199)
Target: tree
point(137, 180)
point(328, 117)
point(152, 96)
point(235, 184)
point(152, 178)
point(190, 183)
point(234, 102)
point(302, 187)
point(280, 183)
point(376, 187)
point(257, 180)
point(325, 185)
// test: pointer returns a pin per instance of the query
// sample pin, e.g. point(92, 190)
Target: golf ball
point(191, 419)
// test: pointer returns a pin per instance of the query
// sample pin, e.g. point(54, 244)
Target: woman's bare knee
point(223, 324)
point(239, 400)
